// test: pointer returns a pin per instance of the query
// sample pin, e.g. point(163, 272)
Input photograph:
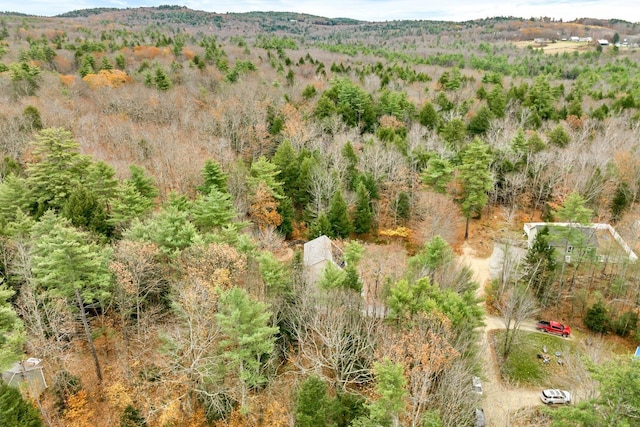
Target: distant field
point(559, 47)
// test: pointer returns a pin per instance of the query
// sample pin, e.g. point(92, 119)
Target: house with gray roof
point(598, 240)
point(26, 374)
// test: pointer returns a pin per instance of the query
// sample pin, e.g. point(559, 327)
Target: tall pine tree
point(363, 214)
point(248, 337)
point(338, 216)
point(11, 330)
point(66, 263)
point(15, 411)
point(476, 180)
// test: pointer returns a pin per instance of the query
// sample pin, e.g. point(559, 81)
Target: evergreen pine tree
point(497, 102)
point(391, 389)
point(143, 183)
point(13, 198)
point(15, 411)
point(597, 318)
point(172, 231)
point(312, 404)
point(479, 124)
point(120, 61)
point(263, 170)
point(248, 339)
point(32, 119)
point(127, 205)
point(352, 174)
point(540, 265)
point(106, 64)
point(213, 177)
point(87, 66)
point(620, 202)
point(67, 264)
point(320, 227)
point(338, 216)
point(161, 80)
point(213, 210)
point(402, 207)
point(131, 417)
point(12, 335)
point(58, 167)
point(85, 211)
point(476, 179)
point(363, 214)
point(286, 160)
point(286, 212)
point(438, 174)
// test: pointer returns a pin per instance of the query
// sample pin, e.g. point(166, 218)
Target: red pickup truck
point(553, 328)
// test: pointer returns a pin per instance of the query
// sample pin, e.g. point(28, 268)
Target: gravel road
point(500, 401)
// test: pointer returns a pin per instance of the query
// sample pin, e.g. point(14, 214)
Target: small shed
point(27, 374)
point(317, 254)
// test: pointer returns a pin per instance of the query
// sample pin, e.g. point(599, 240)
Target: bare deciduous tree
point(191, 343)
point(515, 305)
point(425, 352)
point(140, 280)
point(335, 339)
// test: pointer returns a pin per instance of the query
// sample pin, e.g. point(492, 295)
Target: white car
point(555, 396)
point(480, 419)
point(477, 385)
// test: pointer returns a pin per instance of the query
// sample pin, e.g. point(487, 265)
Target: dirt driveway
point(501, 401)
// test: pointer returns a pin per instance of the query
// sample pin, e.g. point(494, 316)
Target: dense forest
point(162, 168)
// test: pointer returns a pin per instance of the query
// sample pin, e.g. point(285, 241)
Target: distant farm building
point(581, 39)
point(603, 42)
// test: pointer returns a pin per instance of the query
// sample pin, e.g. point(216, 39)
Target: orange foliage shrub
point(146, 52)
point(264, 209)
point(390, 122)
point(67, 79)
point(78, 413)
point(574, 122)
point(110, 78)
point(276, 415)
point(396, 232)
point(236, 419)
point(62, 64)
point(188, 54)
point(118, 396)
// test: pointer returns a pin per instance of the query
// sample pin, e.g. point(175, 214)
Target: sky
point(366, 10)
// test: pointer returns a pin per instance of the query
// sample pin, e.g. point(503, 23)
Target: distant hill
point(313, 27)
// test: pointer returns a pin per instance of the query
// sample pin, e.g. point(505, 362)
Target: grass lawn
point(524, 368)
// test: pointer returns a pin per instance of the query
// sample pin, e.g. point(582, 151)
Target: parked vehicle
point(477, 385)
point(553, 328)
point(556, 396)
point(480, 419)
